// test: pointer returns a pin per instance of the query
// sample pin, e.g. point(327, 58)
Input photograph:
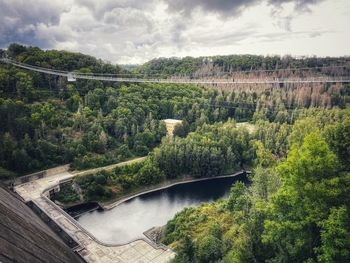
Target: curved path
point(91, 249)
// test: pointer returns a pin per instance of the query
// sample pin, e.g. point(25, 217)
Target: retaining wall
point(54, 226)
point(41, 174)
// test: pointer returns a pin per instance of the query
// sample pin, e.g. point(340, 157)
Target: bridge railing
point(72, 76)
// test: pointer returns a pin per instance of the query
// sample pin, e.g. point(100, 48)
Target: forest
point(233, 63)
point(295, 209)
point(296, 206)
point(48, 121)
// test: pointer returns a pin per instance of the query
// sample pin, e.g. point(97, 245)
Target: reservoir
point(131, 218)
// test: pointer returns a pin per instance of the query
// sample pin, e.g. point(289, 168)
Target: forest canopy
point(294, 137)
point(296, 208)
point(48, 121)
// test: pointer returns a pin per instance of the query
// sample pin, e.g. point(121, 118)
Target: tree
point(265, 182)
point(181, 129)
point(101, 179)
point(264, 157)
point(24, 86)
point(238, 200)
point(309, 189)
point(338, 137)
point(149, 174)
point(208, 248)
point(103, 139)
point(301, 129)
point(73, 102)
point(16, 49)
point(8, 144)
point(335, 237)
point(185, 252)
point(124, 151)
point(126, 181)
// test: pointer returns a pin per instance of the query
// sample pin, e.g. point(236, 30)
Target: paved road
point(32, 190)
point(109, 167)
point(93, 250)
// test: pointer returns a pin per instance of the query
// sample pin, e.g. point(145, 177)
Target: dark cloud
point(229, 7)
point(133, 31)
point(223, 7)
point(19, 20)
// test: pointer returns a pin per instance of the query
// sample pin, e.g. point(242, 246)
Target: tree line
point(47, 121)
point(296, 208)
point(219, 65)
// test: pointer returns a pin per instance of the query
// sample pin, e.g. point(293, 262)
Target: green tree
point(335, 237)
point(238, 200)
point(264, 157)
point(185, 252)
point(338, 137)
point(208, 249)
point(24, 86)
point(181, 130)
point(265, 182)
point(149, 174)
point(301, 129)
point(309, 188)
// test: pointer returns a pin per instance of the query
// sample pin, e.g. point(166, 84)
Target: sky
point(135, 31)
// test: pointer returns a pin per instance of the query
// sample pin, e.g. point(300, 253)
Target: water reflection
point(130, 219)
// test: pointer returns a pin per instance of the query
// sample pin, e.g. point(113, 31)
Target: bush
point(149, 174)
point(208, 248)
point(6, 174)
point(141, 150)
point(98, 192)
point(126, 181)
point(67, 194)
point(101, 179)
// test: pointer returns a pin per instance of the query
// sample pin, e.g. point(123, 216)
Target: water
point(130, 219)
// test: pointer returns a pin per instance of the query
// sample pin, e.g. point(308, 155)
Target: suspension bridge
point(73, 76)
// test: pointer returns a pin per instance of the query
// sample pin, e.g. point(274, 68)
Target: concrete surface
point(92, 249)
point(24, 237)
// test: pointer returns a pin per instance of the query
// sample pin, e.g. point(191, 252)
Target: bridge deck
point(72, 76)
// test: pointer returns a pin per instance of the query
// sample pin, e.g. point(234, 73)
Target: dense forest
point(47, 121)
point(297, 144)
point(296, 208)
point(234, 63)
point(211, 150)
point(236, 68)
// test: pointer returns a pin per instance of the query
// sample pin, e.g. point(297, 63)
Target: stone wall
point(41, 174)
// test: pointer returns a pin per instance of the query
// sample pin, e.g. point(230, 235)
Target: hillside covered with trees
point(296, 206)
point(234, 63)
point(47, 121)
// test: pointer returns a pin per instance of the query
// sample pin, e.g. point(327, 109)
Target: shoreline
point(168, 184)
point(147, 234)
point(105, 206)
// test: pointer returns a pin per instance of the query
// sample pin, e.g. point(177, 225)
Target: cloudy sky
point(135, 31)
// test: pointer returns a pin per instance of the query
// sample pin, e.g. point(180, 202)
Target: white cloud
point(135, 31)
